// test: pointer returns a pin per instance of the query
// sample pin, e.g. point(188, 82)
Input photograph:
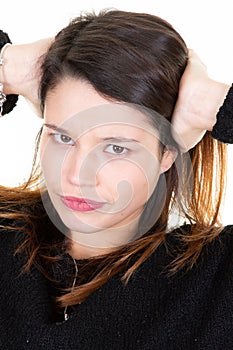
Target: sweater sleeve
point(12, 99)
point(223, 129)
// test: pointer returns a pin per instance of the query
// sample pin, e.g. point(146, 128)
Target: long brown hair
point(136, 58)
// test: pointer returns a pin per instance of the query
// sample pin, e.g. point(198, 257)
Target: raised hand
point(199, 100)
point(21, 70)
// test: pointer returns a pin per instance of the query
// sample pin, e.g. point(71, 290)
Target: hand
point(199, 100)
point(21, 70)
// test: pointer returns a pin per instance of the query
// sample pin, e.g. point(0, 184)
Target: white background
point(206, 26)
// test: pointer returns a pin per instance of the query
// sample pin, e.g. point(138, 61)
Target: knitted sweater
point(189, 310)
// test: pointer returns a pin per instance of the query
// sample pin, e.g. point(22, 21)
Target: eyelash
point(125, 149)
point(54, 135)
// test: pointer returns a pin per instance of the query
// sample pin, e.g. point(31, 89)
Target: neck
point(79, 251)
point(87, 245)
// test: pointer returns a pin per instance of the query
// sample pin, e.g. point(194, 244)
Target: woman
point(88, 260)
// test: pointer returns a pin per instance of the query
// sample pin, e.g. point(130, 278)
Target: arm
point(198, 103)
point(21, 70)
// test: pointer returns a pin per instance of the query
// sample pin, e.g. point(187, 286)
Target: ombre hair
point(134, 58)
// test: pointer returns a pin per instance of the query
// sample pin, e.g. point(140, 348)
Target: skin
point(21, 70)
point(101, 138)
point(199, 99)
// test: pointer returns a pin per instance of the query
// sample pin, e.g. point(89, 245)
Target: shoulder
point(226, 234)
point(224, 237)
point(10, 240)
point(224, 242)
point(216, 251)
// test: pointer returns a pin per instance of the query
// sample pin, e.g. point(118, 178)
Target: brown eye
point(62, 139)
point(65, 139)
point(118, 149)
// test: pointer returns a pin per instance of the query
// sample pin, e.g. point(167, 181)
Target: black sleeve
point(223, 129)
point(11, 100)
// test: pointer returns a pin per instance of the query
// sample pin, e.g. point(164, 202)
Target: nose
point(80, 168)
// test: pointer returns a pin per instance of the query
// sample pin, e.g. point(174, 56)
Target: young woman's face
point(101, 161)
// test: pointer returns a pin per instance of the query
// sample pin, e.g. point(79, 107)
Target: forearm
point(198, 103)
point(212, 100)
point(20, 73)
point(13, 70)
point(21, 66)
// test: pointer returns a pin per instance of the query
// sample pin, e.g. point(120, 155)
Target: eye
point(63, 139)
point(116, 149)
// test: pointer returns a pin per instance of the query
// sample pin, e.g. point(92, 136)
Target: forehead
point(74, 105)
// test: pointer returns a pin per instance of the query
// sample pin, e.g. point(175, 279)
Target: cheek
point(128, 179)
point(51, 161)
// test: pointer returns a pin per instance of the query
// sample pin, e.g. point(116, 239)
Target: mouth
point(81, 204)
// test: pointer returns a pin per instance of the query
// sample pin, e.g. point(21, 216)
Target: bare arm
point(21, 70)
point(199, 100)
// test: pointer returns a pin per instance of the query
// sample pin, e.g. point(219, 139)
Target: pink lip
point(81, 204)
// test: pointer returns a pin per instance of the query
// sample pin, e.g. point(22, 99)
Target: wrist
point(203, 102)
point(22, 68)
point(7, 100)
point(13, 70)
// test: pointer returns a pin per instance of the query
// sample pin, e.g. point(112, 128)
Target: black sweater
point(190, 310)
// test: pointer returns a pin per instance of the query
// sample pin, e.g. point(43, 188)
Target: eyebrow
point(119, 139)
point(56, 128)
point(109, 139)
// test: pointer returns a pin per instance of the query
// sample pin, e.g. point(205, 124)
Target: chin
point(78, 225)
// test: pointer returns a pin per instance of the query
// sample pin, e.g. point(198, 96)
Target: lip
point(81, 204)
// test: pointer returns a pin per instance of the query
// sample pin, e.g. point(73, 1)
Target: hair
point(135, 58)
